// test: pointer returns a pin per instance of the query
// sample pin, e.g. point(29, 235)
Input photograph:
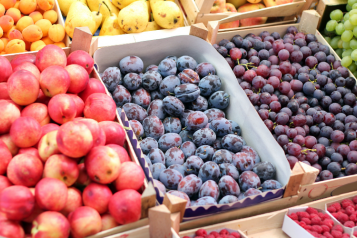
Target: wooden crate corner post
point(293, 186)
point(175, 204)
point(309, 21)
point(199, 30)
point(82, 40)
point(310, 174)
point(160, 222)
point(148, 200)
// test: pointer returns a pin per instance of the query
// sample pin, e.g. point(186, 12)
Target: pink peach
point(94, 86)
point(54, 80)
point(50, 55)
point(84, 221)
point(4, 183)
point(74, 200)
point(94, 128)
point(114, 132)
point(42, 98)
point(9, 113)
point(6, 138)
point(30, 150)
point(37, 111)
point(5, 69)
point(62, 108)
point(5, 156)
point(50, 224)
point(121, 152)
point(21, 59)
point(29, 67)
point(97, 196)
point(4, 94)
point(62, 168)
point(51, 194)
point(25, 132)
point(81, 58)
point(83, 178)
point(131, 176)
point(23, 87)
point(100, 107)
point(79, 78)
point(11, 229)
point(79, 104)
point(48, 146)
point(108, 222)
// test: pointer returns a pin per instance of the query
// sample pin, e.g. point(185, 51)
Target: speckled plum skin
point(222, 156)
point(251, 192)
point(157, 168)
point(205, 152)
point(181, 195)
point(121, 95)
point(214, 113)
point(271, 184)
point(221, 126)
point(200, 104)
point(156, 156)
point(232, 143)
point(173, 106)
point(183, 117)
point(243, 161)
point(147, 144)
point(131, 64)
point(219, 99)
point(204, 69)
point(186, 135)
point(179, 167)
point(132, 81)
point(170, 178)
point(141, 97)
point(188, 148)
point(235, 128)
point(152, 67)
point(249, 179)
point(209, 171)
point(160, 186)
point(190, 185)
point(228, 186)
point(249, 150)
point(188, 76)
point(187, 92)
point(156, 95)
point(209, 85)
point(168, 85)
point(217, 144)
point(169, 140)
point(204, 136)
point(156, 108)
point(151, 80)
point(265, 170)
point(195, 121)
point(153, 127)
point(174, 156)
point(172, 125)
point(228, 199)
point(229, 169)
point(167, 67)
point(186, 62)
point(209, 188)
point(111, 78)
point(134, 112)
point(137, 128)
point(193, 165)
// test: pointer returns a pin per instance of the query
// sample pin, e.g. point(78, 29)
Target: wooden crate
point(199, 12)
point(148, 198)
point(262, 226)
point(326, 6)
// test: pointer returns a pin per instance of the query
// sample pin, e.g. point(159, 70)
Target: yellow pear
point(149, 7)
point(152, 26)
point(93, 6)
point(122, 3)
point(98, 17)
point(66, 4)
point(134, 18)
point(79, 15)
point(152, 2)
point(111, 26)
point(167, 14)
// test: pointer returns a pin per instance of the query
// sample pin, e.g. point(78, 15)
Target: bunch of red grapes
point(303, 94)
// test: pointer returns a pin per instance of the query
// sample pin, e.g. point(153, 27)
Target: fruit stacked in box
point(221, 6)
point(121, 16)
point(176, 109)
point(29, 25)
point(223, 233)
point(303, 95)
point(63, 167)
point(344, 212)
point(318, 224)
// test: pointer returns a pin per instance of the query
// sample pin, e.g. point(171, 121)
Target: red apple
point(102, 164)
point(11, 229)
point(83, 178)
point(131, 176)
point(121, 152)
point(50, 55)
point(25, 132)
point(37, 111)
point(61, 167)
point(100, 107)
point(74, 139)
point(17, 202)
point(21, 59)
point(31, 151)
point(51, 194)
point(79, 104)
point(84, 221)
point(9, 113)
point(79, 78)
point(42, 98)
point(29, 67)
point(23, 87)
point(35, 212)
point(48, 145)
point(114, 132)
point(74, 200)
point(97, 196)
point(54, 80)
point(25, 169)
point(5, 69)
point(125, 206)
point(5, 156)
point(81, 58)
point(50, 224)
point(108, 222)
point(4, 94)
point(9, 144)
point(62, 108)
point(4, 183)
point(94, 86)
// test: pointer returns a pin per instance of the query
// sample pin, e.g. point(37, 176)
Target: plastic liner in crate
point(240, 110)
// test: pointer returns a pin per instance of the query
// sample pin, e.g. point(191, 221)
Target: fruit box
point(209, 229)
point(324, 7)
point(240, 110)
point(199, 12)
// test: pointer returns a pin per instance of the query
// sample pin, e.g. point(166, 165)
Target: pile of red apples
point(63, 168)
